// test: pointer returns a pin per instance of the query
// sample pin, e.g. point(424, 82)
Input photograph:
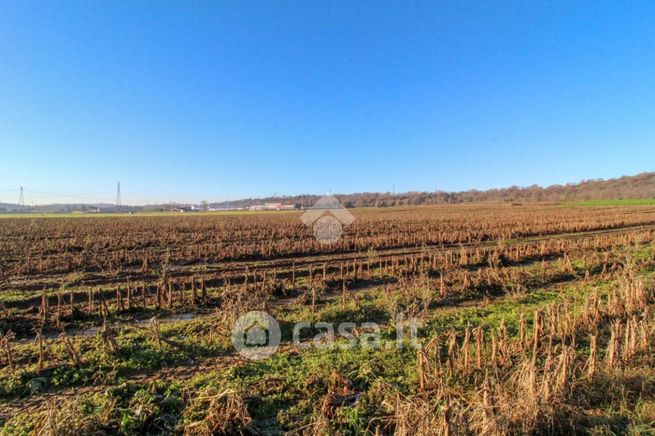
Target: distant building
point(180, 209)
point(272, 206)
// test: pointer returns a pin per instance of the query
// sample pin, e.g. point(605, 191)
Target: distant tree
point(639, 186)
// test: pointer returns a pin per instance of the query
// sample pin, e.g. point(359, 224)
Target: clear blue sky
point(211, 100)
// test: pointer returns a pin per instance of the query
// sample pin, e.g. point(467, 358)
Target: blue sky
point(185, 101)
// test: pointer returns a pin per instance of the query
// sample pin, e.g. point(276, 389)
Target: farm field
point(528, 319)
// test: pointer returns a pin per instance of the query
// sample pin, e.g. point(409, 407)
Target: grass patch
point(616, 202)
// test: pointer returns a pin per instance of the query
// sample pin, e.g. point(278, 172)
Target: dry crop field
point(531, 319)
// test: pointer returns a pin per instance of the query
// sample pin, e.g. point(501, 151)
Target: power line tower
point(21, 197)
point(118, 197)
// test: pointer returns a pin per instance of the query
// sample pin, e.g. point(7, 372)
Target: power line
point(87, 197)
point(97, 198)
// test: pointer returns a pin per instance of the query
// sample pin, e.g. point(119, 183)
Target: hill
point(640, 186)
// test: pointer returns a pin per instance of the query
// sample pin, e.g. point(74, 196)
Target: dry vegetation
point(534, 319)
point(627, 189)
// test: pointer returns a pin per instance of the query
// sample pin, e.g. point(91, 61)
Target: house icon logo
point(256, 335)
point(327, 216)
